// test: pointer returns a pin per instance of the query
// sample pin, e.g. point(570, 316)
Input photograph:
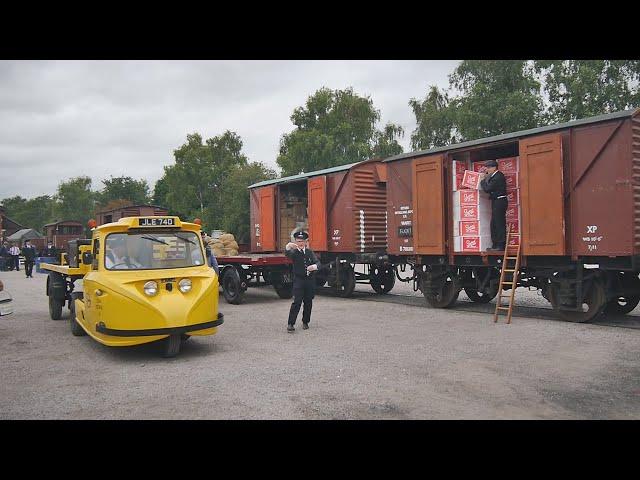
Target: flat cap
point(490, 163)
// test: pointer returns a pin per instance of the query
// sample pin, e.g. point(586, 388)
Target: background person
point(14, 251)
point(29, 253)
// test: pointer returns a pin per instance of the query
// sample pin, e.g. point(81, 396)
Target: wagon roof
point(300, 176)
point(519, 134)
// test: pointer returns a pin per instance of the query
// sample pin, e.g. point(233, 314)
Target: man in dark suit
point(305, 264)
point(29, 253)
point(494, 183)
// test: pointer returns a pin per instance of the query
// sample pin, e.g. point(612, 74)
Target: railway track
point(631, 321)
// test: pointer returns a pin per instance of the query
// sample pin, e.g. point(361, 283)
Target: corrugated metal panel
point(370, 211)
point(635, 179)
point(517, 135)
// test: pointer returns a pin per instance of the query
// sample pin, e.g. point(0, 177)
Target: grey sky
point(62, 119)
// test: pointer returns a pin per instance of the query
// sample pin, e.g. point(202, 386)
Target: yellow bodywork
point(114, 305)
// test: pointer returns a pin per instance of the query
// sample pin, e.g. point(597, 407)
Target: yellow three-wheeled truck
point(143, 279)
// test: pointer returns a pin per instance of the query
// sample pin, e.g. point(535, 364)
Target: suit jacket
point(302, 260)
point(29, 253)
point(496, 186)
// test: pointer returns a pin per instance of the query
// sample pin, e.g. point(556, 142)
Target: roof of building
point(301, 176)
point(25, 233)
point(131, 206)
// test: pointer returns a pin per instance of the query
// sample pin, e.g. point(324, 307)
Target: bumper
point(160, 331)
point(6, 306)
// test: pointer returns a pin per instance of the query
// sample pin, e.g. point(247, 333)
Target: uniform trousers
point(304, 289)
point(499, 222)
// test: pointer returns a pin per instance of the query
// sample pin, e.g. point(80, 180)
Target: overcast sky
point(62, 119)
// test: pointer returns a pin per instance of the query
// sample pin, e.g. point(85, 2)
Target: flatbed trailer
point(239, 272)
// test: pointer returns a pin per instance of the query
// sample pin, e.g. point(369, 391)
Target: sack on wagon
point(226, 237)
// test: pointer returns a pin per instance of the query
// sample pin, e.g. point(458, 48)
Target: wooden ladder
point(511, 254)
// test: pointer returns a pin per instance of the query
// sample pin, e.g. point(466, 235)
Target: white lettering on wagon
point(592, 241)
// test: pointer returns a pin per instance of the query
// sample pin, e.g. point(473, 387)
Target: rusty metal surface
point(399, 208)
point(601, 192)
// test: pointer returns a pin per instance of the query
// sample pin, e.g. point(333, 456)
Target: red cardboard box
point(513, 212)
point(513, 196)
point(459, 167)
point(514, 240)
point(472, 213)
point(471, 179)
point(457, 181)
point(474, 228)
point(476, 243)
point(478, 166)
point(515, 225)
point(466, 197)
point(512, 180)
point(508, 165)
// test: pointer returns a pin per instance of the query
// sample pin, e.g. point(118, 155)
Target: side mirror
point(87, 258)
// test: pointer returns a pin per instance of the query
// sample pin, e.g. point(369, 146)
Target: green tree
point(124, 188)
point(192, 186)
point(434, 118)
point(334, 127)
point(584, 88)
point(32, 213)
point(235, 218)
point(75, 200)
point(497, 96)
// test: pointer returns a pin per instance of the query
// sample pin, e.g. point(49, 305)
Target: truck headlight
point(184, 285)
point(151, 288)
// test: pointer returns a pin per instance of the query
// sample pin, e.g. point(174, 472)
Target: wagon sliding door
point(541, 194)
point(266, 225)
point(428, 205)
point(317, 205)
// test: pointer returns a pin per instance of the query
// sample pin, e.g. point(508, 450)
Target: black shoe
point(290, 328)
point(305, 326)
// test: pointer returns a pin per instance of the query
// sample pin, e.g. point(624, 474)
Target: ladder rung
point(502, 308)
point(507, 283)
point(508, 270)
point(511, 258)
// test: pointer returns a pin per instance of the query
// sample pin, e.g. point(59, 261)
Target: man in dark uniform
point(29, 253)
point(494, 183)
point(305, 264)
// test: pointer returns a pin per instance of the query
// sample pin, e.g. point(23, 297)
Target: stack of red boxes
point(472, 207)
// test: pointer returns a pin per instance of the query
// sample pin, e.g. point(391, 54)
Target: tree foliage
point(75, 200)
point(584, 88)
point(335, 127)
point(31, 213)
point(434, 118)
point(124, 189)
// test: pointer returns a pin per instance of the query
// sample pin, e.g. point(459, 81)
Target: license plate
point(156, 222)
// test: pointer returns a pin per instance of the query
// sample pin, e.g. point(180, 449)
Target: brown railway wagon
point(345, 211)
point(577, 190)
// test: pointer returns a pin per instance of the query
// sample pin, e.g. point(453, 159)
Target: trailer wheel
point(284, 290)
point(622, 305)
point(55, 308)
point(76, 329)
point(171, 346)
point(383, 280)
point(480, 297)
point(231, 288)
point(593, 303)
point(444, 295)
point(347, 282)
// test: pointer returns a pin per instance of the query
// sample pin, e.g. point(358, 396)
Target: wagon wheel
point(347, 281)
point(321, 279)
point(171, 346)
point(76, 329)
point(622, 305)
point(593, 303)
point(383, 280)
point(284, 290)
point(444, 295)
point(485, 295)
point(231, 288)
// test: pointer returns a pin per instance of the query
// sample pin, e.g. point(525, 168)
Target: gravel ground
point(359, 360)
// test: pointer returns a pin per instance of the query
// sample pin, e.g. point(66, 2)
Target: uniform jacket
point(496, 186)
point(302, 260)
point(29, 253)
